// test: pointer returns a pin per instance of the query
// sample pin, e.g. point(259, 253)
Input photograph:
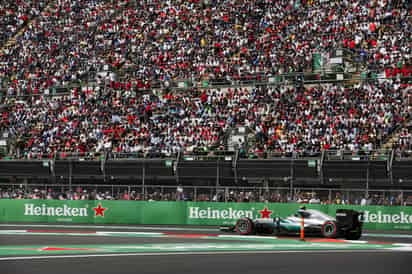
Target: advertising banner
point(375, 217)
point(183, 213)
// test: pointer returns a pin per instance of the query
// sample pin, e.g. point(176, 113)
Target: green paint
point(187, 247)
point(104, 234)
point(182, 213)
point(380, 235)
point(239, 243)
point(71, 226)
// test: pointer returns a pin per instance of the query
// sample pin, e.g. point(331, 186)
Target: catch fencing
point(265, 194)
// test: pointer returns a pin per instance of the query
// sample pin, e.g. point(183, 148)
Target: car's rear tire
point(245, 226)
point(354, 235)
point(329, 229)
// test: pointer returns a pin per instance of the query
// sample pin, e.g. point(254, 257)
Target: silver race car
point(347, 224)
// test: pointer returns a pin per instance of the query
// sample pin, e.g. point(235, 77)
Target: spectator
point(283, 119)
point(161, 41)
point(179, 194)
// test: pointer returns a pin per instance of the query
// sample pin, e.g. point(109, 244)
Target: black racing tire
point(329, 229)
point(277, 230)
point(245, 226)
point(354, 235)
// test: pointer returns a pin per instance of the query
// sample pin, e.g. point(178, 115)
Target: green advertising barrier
point(92, 212)
point(182, 213)
point(375, 217)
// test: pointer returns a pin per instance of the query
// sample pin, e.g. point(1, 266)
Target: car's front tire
point(245, 226)
point(276, 229)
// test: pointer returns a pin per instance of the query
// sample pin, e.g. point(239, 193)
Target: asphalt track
point(200, 262)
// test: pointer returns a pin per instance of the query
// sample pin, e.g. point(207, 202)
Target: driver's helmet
point(302, 212)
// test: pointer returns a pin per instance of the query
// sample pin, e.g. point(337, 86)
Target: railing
point(385, 197)
point(247, 79)
point(210, 155)
point(358, 155)
point(226, 155)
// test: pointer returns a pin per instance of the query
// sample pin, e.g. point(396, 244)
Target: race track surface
point(202, 250)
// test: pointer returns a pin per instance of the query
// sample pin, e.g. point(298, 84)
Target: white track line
point(12, 231)
point(384, 235)
point(137, 233)
point(71, 233)
point(105, 233)
point(200, 253)
point(114, 227)
point(245, 236)
point(377, 235)
point(356, 241)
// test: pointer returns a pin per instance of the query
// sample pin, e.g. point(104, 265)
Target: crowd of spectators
point(164, 40)
point(316, 118)
point(281, 119)
point(404, 141)
point(111, 121)
point(14, 14)
point(183, 194)
point(148, 40)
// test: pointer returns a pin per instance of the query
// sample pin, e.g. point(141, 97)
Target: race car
point(347, 224)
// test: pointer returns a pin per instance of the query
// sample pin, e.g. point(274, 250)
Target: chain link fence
point(205, 193)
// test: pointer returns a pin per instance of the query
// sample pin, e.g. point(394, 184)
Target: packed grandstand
point(163, 119)
point(108, 54)
point(156, 79)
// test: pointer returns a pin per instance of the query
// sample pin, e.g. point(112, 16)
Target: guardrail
point(359, 155)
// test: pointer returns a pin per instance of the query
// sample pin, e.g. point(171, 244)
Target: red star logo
point(99, 210)
point(265, 213)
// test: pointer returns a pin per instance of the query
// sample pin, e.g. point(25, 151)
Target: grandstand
point(131, 129)
point(223, 93)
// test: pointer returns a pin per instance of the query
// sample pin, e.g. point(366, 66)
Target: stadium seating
point(15, 14)
point(121, 46)
point(149, 40)
point(282, 119)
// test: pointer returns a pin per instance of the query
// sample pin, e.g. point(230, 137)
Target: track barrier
point(183, 213)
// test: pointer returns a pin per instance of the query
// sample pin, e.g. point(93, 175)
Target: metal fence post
point(70, 174)
point(52, 171)
point(291, 177)
point(390, 165)
point(226, 194)
point(217, 176)
point(401, 197)
point(367, 179)
point(143, 180)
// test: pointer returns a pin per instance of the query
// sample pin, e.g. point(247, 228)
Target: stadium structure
point(207, 100)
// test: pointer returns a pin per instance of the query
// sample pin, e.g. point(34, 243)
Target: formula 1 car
point(347, 224)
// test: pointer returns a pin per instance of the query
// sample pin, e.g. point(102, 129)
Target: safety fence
point(265, 194)
point(183, 213)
